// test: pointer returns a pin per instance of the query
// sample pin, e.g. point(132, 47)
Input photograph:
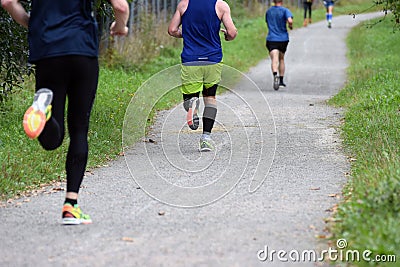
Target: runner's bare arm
point(174, 26)
point(290, 23)
point(121, 12)
point(17, 11)
point(224, 13)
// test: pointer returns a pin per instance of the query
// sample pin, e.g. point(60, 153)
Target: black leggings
point(75, 77)
point(307, 6)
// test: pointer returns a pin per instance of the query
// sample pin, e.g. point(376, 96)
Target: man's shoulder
point(221, 5)
point(182, 5)
point(285, 9)
point(278, 8)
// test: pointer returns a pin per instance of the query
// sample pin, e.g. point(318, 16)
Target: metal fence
point(161, 11)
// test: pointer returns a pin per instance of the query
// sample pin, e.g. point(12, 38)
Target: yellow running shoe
point(36, 115)
point(206, 145)
point(74, 215)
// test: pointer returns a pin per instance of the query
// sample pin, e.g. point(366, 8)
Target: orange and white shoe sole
point(31, 131)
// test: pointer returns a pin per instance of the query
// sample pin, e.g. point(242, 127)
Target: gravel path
point(275, 175)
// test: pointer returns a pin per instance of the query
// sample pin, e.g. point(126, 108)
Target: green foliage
point(251, 33)
point(391, 6)
point(369, 217)
point(13, 54)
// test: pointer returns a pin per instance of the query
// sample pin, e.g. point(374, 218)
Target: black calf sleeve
point(210, 112)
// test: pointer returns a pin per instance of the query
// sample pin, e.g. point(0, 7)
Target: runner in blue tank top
point(198, 22)
point(201, 41)
point(63, 46)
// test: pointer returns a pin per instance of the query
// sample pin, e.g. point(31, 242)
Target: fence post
point(158, 10)
point(131, 16)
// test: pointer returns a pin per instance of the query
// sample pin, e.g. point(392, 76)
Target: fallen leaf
point(315, 188)
point(329, 220)
point(127, 239)
point(332, 209)
point(58, 189)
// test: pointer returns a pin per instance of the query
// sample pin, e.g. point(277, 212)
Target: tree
point(392, 6)
point(13, 54)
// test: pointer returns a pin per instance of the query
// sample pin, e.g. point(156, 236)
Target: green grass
point(369, 216)
point(21, 160)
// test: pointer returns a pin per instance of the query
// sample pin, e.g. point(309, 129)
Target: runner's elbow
point(173, 32)
point(6, 3)
point(231, 35)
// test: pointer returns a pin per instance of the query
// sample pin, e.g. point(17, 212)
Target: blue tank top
point(60, 28)
point(200, 31)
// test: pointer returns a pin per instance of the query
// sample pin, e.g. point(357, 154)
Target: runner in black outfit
point(63, 45)
point(307, 4)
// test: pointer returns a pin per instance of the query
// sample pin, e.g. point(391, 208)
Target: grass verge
point(369, 215)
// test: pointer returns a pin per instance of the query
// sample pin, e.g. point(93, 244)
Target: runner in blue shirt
point(276, 18)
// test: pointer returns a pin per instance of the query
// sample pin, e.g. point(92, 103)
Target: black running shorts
point(281, 46)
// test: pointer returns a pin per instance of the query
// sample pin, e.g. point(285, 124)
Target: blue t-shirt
point(60, 28)
point(276, 18)
point(200, 32)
